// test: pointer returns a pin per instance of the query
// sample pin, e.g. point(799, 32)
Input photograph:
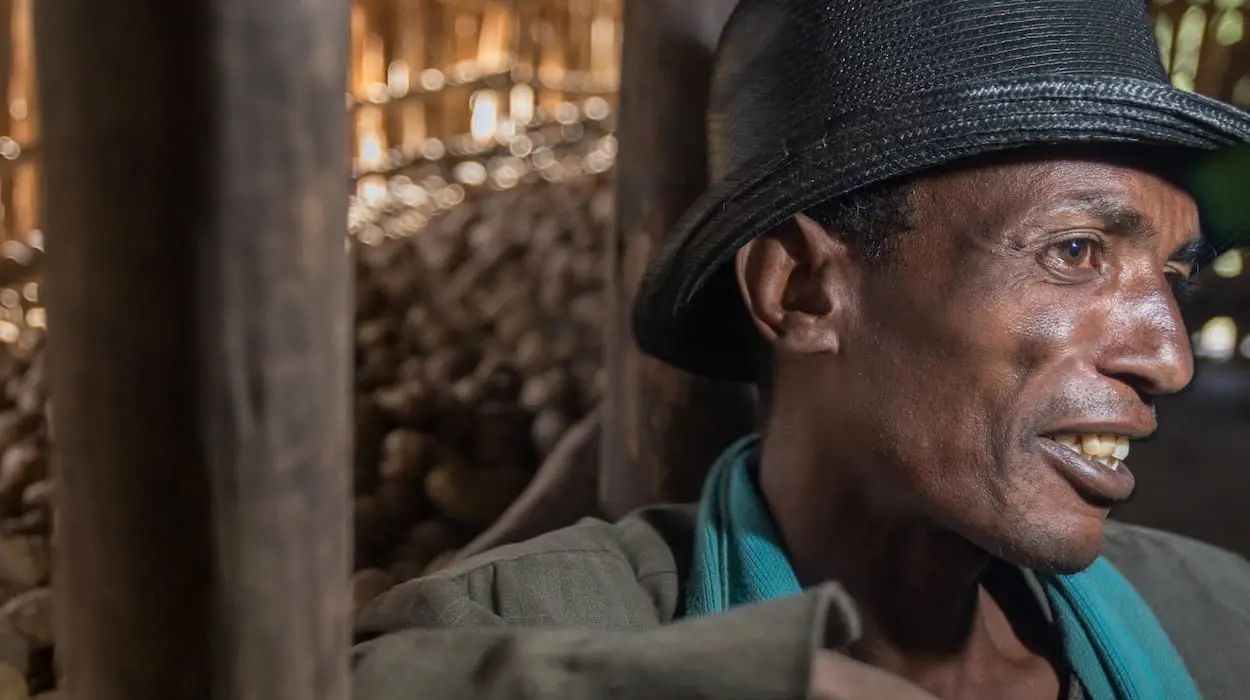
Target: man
point(943, 241)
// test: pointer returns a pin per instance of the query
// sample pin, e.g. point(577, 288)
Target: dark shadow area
point(1194, 476)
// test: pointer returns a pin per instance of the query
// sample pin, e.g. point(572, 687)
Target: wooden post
point(662, 428)
point(7, 62)
point(198, 292)
point(21, 101)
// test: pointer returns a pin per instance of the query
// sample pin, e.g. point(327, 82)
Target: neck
point(925, 614)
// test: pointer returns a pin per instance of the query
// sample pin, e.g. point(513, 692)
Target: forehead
point(992, 194)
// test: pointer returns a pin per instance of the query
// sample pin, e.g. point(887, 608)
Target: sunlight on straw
point(1241, 92)
point(1230, 28)
point(371, 189)
point(1165, 30)
point(493, 39)
point(1218, 339)
point(1228, 265)
point(372, 153)
point(432, 79)
point(1189, 47)
point(398, 80)
point(485, 119)
point(521, 103)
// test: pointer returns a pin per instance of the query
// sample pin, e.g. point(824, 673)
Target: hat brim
point(675, 314)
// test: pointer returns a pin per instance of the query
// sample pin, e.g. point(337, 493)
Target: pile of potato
point(478, 344)
point(26, 633)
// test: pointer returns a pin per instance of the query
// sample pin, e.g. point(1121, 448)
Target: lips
point(1093, 463)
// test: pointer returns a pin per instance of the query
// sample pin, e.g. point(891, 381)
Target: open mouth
point(1108, 450)
point(1093, 464)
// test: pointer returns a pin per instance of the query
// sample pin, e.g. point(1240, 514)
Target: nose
point(1147, 346)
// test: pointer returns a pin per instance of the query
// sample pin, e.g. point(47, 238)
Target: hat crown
point(782, 64)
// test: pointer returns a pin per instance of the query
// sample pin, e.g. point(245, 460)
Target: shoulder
point(1200, 594)
point(598, 574)
point(1168, 563)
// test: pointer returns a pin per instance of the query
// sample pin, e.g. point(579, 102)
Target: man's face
point(1031, 307)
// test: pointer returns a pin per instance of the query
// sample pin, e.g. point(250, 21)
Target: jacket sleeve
point(757, 652)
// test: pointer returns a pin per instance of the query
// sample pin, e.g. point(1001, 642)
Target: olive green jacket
point(593, 611)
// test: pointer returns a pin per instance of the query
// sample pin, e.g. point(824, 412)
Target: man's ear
point(798, 283)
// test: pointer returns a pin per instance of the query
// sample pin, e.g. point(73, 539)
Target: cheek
point(1031, 339)
point(943, 382)
point(954, 369)
point(1058, 335)
point(955, 386)
point(1048, 327)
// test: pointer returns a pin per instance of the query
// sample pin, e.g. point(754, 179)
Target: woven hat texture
point(813, 99)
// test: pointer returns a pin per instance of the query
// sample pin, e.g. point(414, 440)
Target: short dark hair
point(871, 219)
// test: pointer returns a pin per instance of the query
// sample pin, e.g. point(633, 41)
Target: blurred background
point(483, 146)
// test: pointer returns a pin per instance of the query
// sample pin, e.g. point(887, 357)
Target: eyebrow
point(1113, 214)
point(1123, 219)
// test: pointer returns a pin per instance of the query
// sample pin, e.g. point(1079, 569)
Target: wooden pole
point(198, 290)
point(662, 428)
point(22, 102)
point(7, 63)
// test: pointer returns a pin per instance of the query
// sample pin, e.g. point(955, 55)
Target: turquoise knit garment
point(1112, 639)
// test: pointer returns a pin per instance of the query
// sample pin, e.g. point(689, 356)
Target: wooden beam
point(199, 293)
point(662, 428)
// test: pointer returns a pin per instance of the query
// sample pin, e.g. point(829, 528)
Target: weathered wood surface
point(662, 427)
point(195, 159)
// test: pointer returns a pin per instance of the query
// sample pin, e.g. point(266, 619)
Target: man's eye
point(1081, 253)
point(1184, 285)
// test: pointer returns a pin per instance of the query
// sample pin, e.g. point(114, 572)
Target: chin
point(1052, 543)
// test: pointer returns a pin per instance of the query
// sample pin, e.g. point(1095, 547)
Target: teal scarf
point(1112, 639)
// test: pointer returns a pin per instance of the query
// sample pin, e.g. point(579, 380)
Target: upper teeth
point(1096, 445)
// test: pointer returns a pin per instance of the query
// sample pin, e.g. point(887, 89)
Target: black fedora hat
point(814, 99)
